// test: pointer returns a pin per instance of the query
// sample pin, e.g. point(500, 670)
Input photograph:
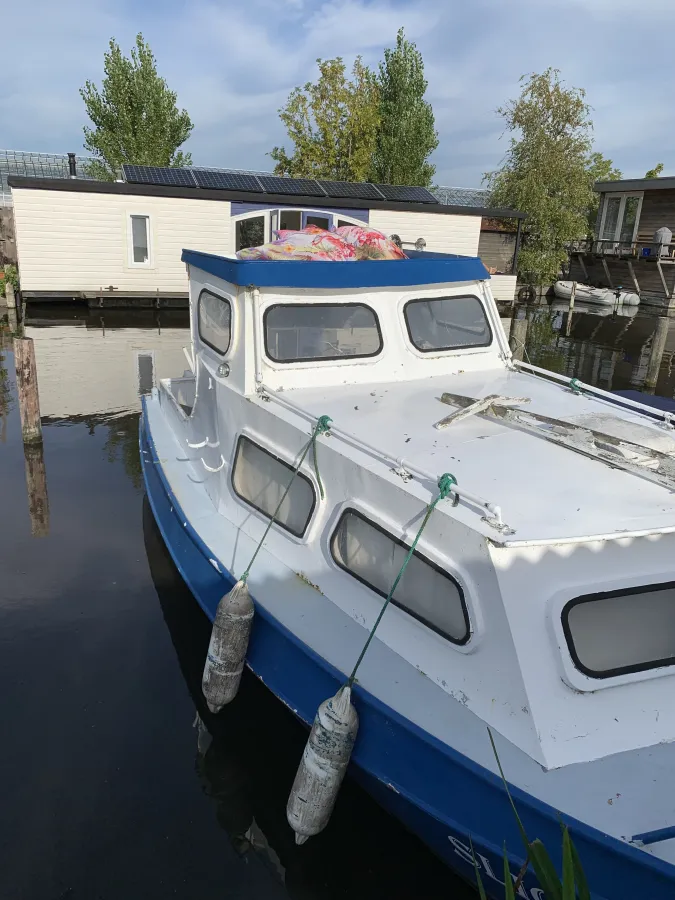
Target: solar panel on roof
point(275, 185)
point(226, 181)
point(357, 191)
point(406, 194)
point(164, 175)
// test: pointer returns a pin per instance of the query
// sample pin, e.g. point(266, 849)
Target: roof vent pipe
point(72, 165)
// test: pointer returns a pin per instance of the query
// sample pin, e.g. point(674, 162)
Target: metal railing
point(625, 249)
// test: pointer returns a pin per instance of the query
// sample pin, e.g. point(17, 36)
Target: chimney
point(72, 165)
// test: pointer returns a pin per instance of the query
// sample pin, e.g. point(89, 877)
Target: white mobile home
point(119, 243)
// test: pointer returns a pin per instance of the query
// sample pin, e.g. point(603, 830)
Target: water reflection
point(246, 758)
point(629, 348)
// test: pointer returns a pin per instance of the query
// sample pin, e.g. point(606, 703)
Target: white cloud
point(233, 64)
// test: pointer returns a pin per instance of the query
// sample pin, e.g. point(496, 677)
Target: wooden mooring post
point(570, 312)
point(656, 353)
point(10, 296)
point(36, 485)
point(31, 429)
point(27, 390)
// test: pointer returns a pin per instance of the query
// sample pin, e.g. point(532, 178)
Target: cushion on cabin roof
point(303, 245)
point(369, 243)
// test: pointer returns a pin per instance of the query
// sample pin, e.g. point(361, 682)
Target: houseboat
point(341, 419)
point(632, 248)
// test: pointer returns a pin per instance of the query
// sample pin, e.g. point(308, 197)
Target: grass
point(572, 886)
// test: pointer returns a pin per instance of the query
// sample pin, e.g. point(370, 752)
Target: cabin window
point(320, 221)
point(447, 323)
point(290, 219)
point(250, 232)
point(425, 591)
point(215, 321)
point(299, 332)
point(622, 631)
point(140, 240)
point(260, 479)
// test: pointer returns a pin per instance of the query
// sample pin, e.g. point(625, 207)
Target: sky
point(233, 64)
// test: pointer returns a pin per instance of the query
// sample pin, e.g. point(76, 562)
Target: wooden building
point(119, 243)
point(625, 251)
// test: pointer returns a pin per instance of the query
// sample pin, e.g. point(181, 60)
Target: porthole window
point(260, 479)
point(447, 323)
point(617, 632)
point(215, 321)
point(425, 591)
point(297, 332)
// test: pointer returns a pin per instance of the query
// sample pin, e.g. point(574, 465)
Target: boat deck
point(546, 492)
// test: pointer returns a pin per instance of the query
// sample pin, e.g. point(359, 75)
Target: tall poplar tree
point(135, 116)
point(407, 133)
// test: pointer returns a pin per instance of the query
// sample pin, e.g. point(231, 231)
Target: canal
point(116, 781)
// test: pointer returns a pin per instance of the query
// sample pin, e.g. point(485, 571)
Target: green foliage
point(9, 274)
point(370, 127)
point(573, 885)
point(547, 171)
point(655, 172)
point(333, 124)
point(599, 169)
point(407, 134)
point(135, 116)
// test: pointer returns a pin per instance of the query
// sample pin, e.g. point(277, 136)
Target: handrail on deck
point(398, 464)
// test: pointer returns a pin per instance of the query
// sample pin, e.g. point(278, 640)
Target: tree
point(655, 172)
point(407, 134)
point(599, 169)
point(135, 116)
point(332, 123)
point(546, 172)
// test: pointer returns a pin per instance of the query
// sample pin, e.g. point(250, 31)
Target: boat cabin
point(540, 594)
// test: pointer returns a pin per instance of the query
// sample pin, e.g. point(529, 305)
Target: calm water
point(108, 789)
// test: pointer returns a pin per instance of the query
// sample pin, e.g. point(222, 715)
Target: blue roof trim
point(420, 268)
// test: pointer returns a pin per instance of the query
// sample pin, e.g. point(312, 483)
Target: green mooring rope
point(445, 483)
point(322, 427)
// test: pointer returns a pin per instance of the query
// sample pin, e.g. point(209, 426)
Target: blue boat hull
point(440, 795)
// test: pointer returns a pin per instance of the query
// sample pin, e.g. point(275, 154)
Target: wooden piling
point(27, 390)
point(518, 336)
point(570, 312)
point(656, 353)
point(10, 296)
point(36, 485)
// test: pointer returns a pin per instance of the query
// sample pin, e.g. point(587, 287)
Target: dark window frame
point(447, 349)
point(317, 359)
point(350, 510)
point(604, 595)
point(300, 475)
point(199, 320)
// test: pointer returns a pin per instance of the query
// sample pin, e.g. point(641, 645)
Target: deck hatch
point(426, 591)
point(619, 632)
point(260, 478)
point(300, 332)
point(215, 321)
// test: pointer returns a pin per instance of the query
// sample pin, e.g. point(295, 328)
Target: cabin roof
point(192, 193)
point(546, 492)
point(635, 184)
point(419, 268)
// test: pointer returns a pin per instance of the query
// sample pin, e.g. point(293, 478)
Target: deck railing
point(625, 249)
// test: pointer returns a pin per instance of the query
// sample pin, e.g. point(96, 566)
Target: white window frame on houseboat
point(604, 244)
point(271, 217)
point(149, 262)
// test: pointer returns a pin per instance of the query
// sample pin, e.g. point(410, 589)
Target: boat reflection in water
point(246, 757)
